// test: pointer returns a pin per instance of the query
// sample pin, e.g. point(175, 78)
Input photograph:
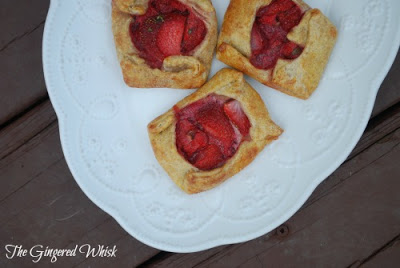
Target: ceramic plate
point(104, 136)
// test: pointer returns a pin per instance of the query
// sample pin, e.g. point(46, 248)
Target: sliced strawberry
point(276, 6)
point(209, 158)
point(170, 35)
point(195, 32)
point(257, 42)
point(144, 38)
point(267, 59)
point(189, 138)
point(217, 126)
point(272, 32)
point(273, 23)
point(290, 18)
point(235, 113)
point(205, 135)
point(161, 31)
point(268, 19)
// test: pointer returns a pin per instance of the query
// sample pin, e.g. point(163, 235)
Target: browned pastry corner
point(298, 77)
point(182, 71)
point(229, 84)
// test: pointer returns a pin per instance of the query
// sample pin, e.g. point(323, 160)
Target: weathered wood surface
point(21, 30)
point(40, 203)
point(352, 218)
point(389, 92)
point(387, 257)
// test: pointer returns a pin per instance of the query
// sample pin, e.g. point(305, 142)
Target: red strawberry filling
point(268, 35)
point(210, 131)
point(168, 28)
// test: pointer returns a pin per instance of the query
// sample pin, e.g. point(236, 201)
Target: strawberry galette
point(164, 43)
point(283, 44)
point(213, 133)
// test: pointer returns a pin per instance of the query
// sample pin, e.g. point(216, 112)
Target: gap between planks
point(376, 253)
point(15, 39)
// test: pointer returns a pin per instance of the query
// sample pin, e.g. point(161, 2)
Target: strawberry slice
point(209, 131)
point(168, 27)
point(217, 126)
point(272, 24)
point(272, 32)
point(257, 42)
point(266, 59)
point(170, 35)
point(195, 32)
point(290, 18)
point(189, 138)
point(209, 158)
point(233, 109)
point(144, 38)
point(277, 6)
point(268, 19)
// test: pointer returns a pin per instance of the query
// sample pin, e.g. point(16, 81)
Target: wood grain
point(389, 91)
point(388, 257)
point(26, 127)
point(20, 17)
point(42, 204)
point(21, 75)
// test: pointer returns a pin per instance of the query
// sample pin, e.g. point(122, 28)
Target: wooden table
point(352, 218)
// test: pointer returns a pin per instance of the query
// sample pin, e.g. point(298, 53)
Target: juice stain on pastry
point(268, 35)
point(168, 28)
point(210, 131)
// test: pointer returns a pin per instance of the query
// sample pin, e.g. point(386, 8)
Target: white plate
point(104, 138)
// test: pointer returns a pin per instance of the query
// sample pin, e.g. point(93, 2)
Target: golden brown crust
point(299, 77)
point(161, 130)
point(177, 71)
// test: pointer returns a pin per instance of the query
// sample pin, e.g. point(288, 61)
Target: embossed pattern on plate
point(104, 136)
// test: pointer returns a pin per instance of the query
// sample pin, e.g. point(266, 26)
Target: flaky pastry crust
point(182, 72)
point(226, 82)
point(298, 77)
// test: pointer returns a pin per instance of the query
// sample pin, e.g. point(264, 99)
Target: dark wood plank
point(21, 75)
point(389, 93)
point(20, 17)
point(26, 127)
point(41, 203)
point(389, 257)
point(29, 161)
point(378, 127)
point(362, 200)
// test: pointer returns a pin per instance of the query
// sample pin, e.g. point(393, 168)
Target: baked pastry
point(164, 43)
point(283, 44)
point(213, 133)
